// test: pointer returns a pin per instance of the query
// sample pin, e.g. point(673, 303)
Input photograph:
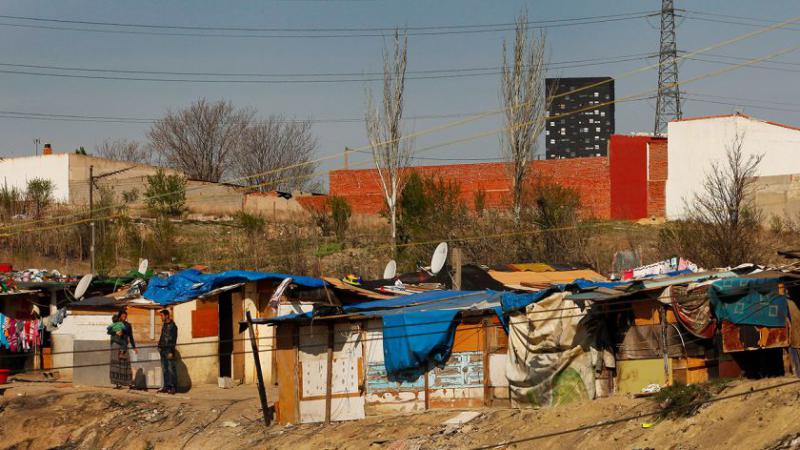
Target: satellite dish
point(276, 296)
point(391, 270)
point(439, 258)
point(143, 266)
point(82, 286)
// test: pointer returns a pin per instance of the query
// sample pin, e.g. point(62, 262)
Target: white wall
point(695, 144)
point(81, 327)
point(16, 172)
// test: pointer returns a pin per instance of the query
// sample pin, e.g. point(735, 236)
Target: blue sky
point(774, 88)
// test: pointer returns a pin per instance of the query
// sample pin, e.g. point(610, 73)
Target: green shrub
point(166, 194)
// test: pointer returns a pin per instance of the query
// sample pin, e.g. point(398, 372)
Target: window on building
point(602, 113)
point(597, 94)
point(591, 120)
point(596, 112)
point(563, 131)
point(597, 147)
point(597, 129)
point(552, 124)
point(596, 138)
point(552, 141)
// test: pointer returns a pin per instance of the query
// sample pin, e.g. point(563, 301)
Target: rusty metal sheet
point(738, 338)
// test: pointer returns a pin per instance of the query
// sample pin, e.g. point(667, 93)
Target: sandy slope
point(45, 416)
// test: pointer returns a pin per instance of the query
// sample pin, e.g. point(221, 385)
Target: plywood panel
point(205, 323)
point(468, 338)
point(238, 341)
point(633, 375)
point(497, 370)
point(286, 357)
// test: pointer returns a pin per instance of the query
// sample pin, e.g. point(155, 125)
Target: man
point(166, 348)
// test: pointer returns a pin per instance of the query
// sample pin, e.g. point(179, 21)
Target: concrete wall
point(16, 172)
point(778, 196)
point(694, 144)
point(81, 328)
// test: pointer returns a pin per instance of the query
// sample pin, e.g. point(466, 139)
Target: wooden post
point(262, 390)
point(663, 314)
point(456, 258)
point(329, 375)
point(487, 384)
point(427, 388)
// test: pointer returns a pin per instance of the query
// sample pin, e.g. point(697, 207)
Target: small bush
point(40, 193)
point(251, 223)
point(340, 216)
point(681, 400)
point(327, 249)
point(166, 194)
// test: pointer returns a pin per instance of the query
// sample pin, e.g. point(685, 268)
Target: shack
point(207, 309)
point(439, 349)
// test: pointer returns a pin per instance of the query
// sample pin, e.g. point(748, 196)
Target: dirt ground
point(746, 415)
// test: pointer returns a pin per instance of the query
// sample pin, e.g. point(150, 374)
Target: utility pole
point(668, 102)
point(91, 216)
point(36, 142)
point(346, 158)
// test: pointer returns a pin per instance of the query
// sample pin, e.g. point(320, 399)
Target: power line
point(143, 120)
point(253, 32)
point(327, 78)
point(438, 128)
point(492, 69)
point(751, 21)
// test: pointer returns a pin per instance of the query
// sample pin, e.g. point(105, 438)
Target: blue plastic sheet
point(191, 283)
point(418, 330)
point(414, 341)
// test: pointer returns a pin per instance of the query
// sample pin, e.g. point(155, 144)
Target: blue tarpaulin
point(749, 301)
point(418, 330)
point(191, 283)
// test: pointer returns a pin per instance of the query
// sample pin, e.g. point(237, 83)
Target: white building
point(696, 143)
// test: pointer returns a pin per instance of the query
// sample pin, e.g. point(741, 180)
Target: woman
point(121, 333)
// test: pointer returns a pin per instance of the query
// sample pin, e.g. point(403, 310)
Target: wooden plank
point(468, 338)
point(288, 386)
point(487, 388)
point(237, 300)
point(329, 374)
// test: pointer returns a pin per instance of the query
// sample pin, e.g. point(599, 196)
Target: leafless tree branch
point(390, 152)
point(201, 140)
point(273, 144)
point(124, 150)
point(525, 100)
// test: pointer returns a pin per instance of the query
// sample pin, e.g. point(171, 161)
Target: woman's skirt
point(120, 369)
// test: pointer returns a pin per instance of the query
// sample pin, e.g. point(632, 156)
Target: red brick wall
point(588, 176)
point(657, 179)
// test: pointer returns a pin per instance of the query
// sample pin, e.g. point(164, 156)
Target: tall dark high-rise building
point(579, 123)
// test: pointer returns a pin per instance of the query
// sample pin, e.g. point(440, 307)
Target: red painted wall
point(588, 176)
point(638, 176)
point(628, 160)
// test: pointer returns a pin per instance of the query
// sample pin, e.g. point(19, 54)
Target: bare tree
point(273, 144)
point(384, 128)
point(526, 103)
point(722, 224)
point(124, 150)
point(201, 140)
